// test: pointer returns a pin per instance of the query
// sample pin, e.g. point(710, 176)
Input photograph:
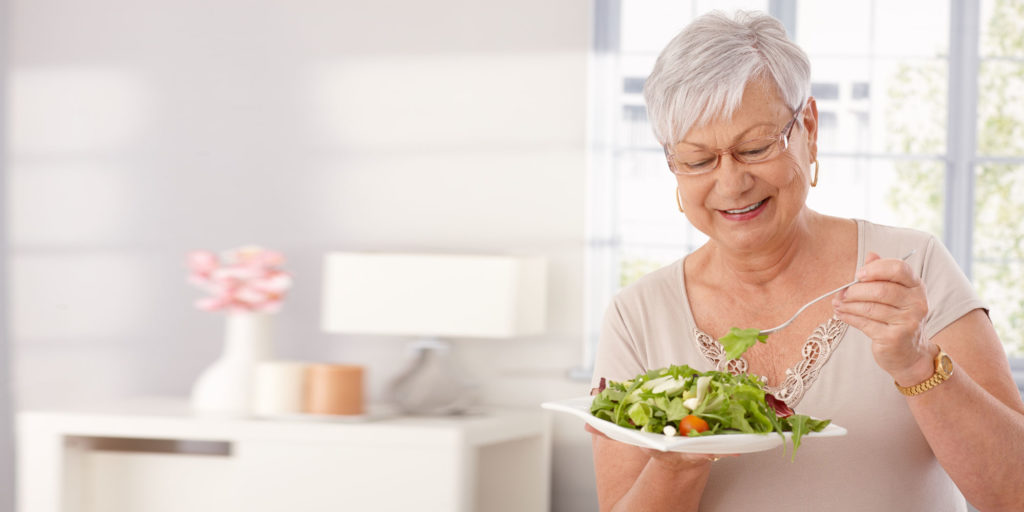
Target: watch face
point(945, 365)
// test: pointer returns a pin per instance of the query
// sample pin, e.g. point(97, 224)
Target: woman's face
point(747, 207)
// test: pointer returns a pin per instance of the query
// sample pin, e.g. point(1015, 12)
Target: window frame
point(7, 502)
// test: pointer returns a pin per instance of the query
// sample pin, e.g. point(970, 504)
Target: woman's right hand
point(633, 478)
point(672, 461)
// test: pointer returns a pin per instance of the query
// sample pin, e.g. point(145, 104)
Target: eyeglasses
point(703, 161)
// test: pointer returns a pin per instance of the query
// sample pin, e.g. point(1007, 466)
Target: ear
point(810, 121)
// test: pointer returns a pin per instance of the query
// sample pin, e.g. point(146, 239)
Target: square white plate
point(717, 444)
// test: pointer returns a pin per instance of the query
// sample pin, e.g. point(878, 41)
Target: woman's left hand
point(889, 306)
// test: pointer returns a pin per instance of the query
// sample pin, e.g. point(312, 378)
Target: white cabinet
point(156, 456)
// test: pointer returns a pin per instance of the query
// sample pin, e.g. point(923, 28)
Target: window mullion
point(964, 29)
point(603, 241)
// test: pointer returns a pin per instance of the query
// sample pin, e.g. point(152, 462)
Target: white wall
point(140, 130)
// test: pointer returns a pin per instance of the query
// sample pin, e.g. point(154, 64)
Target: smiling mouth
point(747, 209)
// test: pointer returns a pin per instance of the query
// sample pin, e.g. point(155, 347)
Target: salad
point(679, 400)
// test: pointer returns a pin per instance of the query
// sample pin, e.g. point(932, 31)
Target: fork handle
point(801, 310)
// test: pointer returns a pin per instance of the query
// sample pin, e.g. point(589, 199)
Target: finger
point(903, 301)
point(882, 292)
point(883, 331)
point(871, 327)
point(880, 323)
point(885, 313)
point(899, 309)
point(715, 457)
point(895, 270)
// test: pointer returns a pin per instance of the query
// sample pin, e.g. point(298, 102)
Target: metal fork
point(801, 310)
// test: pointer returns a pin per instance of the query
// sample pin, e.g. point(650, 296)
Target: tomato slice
point(691, 422)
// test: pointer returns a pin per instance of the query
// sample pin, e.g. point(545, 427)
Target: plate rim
point(580, 407)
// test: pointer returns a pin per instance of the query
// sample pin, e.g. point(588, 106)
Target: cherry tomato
point(692, 422)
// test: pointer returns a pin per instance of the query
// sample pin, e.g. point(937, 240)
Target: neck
point(760, 266)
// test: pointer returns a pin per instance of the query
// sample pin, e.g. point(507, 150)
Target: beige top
point(883, 463)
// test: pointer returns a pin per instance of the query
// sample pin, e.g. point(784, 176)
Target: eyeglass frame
point(783, 137)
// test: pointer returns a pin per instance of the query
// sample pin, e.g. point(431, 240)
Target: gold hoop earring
point(679, 201)
point(814, 181)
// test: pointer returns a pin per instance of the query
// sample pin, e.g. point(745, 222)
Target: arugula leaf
point(737, 341)
point(801, 424)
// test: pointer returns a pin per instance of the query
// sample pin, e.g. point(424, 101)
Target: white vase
point(226, 386)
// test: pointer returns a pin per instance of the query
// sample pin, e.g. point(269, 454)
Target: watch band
point(943, 371)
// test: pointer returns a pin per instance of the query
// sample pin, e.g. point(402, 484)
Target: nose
point(732, 176)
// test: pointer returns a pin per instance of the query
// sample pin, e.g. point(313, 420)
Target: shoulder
point(893, 241)
point(931, 261)
point(950, 293)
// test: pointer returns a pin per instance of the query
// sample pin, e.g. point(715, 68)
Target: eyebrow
point(736, 140)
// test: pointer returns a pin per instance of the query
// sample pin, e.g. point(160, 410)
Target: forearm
point(663, 487)
point(978, 439)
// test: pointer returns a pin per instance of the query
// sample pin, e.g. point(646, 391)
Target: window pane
point(908, 28)
point(648, 214)
point(881, 106)
point(730, 5)
point(913, 110)
point(638, 261)
point(834, 28)
point(894, 192)
point(1002, 28)
point(653, 231)
point(647, 25)
point(911, 28)
point(999, 249)
point(1001, 108)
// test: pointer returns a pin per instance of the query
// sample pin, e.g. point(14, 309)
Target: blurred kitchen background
point(135, 131)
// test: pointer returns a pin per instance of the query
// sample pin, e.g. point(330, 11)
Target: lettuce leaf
point(737, 341)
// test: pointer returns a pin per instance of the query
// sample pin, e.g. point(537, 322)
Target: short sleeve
point(617, 356)
point(950, 294)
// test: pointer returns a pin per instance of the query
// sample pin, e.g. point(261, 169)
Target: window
point(908, 136)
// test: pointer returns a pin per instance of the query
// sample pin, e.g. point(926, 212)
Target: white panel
point(493, 201)
point(332, 477)
point(75, 202)
point(75, 109)
point(63, 374)
point(79, 296)
point(434, 295)
point(135, 482)
point(440, 102)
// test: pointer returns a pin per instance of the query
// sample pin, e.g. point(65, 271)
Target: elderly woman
point(729, 101)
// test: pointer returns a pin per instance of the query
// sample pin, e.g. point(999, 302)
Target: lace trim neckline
point(816, 352)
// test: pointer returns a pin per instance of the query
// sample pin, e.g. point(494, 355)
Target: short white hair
point(700, 76)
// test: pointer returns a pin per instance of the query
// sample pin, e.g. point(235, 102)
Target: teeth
point(747, 209)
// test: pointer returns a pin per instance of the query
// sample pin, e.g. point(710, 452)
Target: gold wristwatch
point(943, 371)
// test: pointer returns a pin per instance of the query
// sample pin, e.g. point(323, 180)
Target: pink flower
point(202, 262)
point(242, 279)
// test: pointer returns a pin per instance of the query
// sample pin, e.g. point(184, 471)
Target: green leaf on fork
point(737, 341)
